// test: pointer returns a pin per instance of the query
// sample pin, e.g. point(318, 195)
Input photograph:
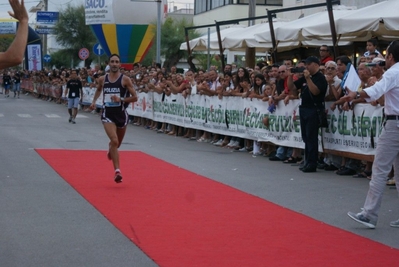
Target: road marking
point(52, 116)
point(81, 116)
point(24, 115)
point(1, 115)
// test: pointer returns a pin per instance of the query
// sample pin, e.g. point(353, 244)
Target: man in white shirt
point(387, 152)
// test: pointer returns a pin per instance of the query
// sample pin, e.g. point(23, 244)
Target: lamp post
point(42, 6)
point(158, 54)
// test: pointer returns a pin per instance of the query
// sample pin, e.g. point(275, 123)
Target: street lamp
point(158, 54)
point(43, 5)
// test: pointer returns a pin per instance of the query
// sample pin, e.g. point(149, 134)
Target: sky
point(56, 5)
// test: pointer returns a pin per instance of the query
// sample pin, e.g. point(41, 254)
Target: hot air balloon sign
point(123, 27)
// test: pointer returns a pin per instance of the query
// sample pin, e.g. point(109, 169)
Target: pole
point(220, 45)
point(332, 27)
point(45, 2)
point(158, 55)
point(272, 34)
point(250, 51)
point(208, 64)
point(187, 42)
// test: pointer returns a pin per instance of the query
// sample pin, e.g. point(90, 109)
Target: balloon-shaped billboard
point(124, 27)
point(131, 42)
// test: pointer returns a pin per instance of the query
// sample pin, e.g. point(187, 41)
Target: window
point(201, 6)
point(217, 3)
point(263, 2)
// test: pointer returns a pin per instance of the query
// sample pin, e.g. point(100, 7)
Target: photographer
point(313, 87)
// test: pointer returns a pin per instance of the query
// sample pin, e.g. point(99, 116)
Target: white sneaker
point(236, 143)
point(231, 143)
point(218, 143)
point(394, 223)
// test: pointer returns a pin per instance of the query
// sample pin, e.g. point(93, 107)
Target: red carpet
point(179, 218)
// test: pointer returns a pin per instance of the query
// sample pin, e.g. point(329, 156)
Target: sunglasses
point(323, 50)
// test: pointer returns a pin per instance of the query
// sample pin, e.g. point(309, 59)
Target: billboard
point(34, 54)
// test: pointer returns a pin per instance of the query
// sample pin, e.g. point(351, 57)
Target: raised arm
point(15, 52)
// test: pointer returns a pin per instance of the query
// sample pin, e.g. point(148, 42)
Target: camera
point(297, 70)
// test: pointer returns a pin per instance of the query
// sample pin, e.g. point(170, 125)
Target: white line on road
point(24, 115)
point(52, 116)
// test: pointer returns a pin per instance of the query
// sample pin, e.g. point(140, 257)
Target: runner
point(116, 89)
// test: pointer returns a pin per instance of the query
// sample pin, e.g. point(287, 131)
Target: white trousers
point(386, 155)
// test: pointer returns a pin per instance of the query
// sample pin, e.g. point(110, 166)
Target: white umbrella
point(379, 20)
point(201, 43)
point(245, 37)
point(317, 23)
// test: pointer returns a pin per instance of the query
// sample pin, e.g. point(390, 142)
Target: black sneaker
point(360, 218)
point(70, 119)
point(118, 177)
point(73, 121)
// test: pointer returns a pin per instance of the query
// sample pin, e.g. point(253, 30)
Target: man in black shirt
point(17, 84)
point(6, 83)
point(313, 86)
point(75, 94)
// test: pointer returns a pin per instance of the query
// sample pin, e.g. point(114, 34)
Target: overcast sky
point(56, 5)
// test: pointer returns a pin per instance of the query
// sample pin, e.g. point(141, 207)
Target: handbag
point(322, 116)
point(321, 113)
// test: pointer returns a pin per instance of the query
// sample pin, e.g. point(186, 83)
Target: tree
point(5, 42)
point(72, 33)
point(172, 35)
point(61, 58)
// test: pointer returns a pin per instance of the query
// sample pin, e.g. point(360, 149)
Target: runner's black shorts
point(115, 115)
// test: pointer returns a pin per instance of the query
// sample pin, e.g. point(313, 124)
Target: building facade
point(207, 11)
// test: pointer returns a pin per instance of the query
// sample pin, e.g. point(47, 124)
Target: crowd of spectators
point(266, 82)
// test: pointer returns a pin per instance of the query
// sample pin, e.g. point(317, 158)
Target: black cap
point(312, 59)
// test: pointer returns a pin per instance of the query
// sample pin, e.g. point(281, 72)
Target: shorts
point(115, 115)
point(17, 87)
point(6, 86)
point(73, 102)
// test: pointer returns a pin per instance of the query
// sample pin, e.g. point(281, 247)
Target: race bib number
point(108, 101)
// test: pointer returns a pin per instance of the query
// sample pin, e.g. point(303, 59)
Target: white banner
point(354, 131)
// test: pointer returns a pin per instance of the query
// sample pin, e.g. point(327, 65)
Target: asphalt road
point(45, 222)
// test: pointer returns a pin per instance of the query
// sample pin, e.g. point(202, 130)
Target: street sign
point(47, 58)
point(84, 53)
point(42, 29)
point(47, 17)
point(98, 50)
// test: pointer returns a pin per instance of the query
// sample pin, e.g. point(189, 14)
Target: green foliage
point(202, 61)
point(172, 35)
point(61, 58)
point(72, 33)
point(5, 42)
